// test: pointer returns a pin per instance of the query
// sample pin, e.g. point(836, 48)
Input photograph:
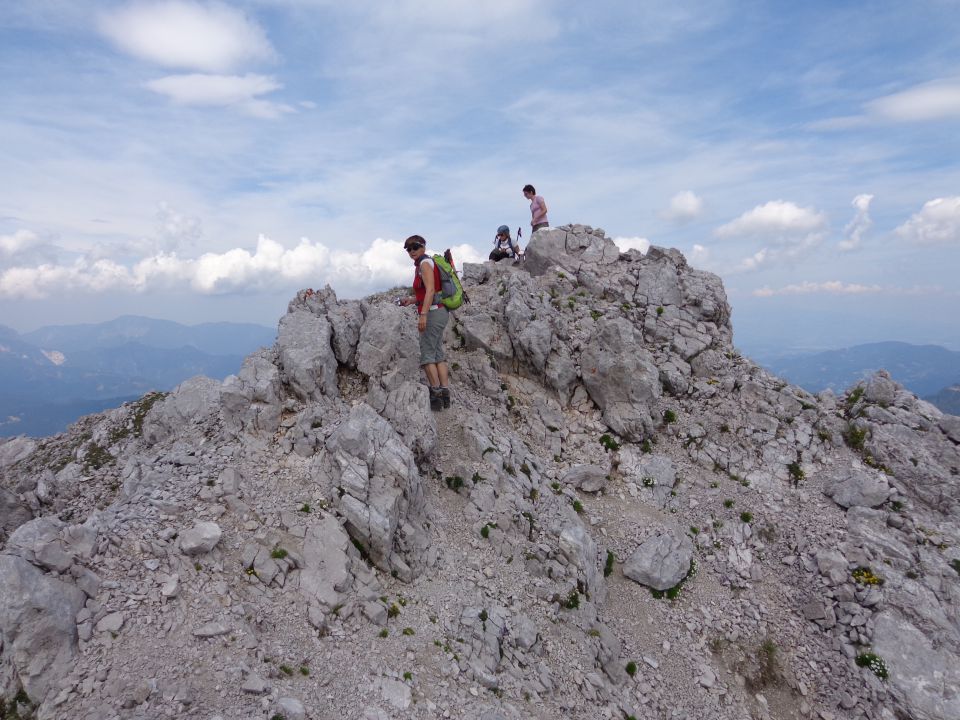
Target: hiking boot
point(445, 395)
point(436, 399)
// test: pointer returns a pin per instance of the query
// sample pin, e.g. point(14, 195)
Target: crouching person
point(505, 246)
point(432, 319)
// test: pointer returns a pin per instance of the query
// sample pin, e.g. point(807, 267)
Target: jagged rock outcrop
point(307, 539)
point(379, 492)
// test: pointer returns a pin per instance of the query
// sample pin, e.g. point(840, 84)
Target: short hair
point(414, 240)
point(530, 189)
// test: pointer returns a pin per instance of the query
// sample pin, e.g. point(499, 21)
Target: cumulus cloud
point(239, 92)
point(776, 219)
point(209, 37)
point(932, 101)
point(684, 207)
point(270, 266)
point(632, 243)
point(937, 222)
point(861, 223)
point(789, 228)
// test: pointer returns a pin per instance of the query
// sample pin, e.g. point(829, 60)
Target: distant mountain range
point(53, 375)
point(930, 371)
point(947, 399)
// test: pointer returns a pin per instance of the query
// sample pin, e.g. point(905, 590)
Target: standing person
point(432, 319)
point(505, 246)
point(538, 209)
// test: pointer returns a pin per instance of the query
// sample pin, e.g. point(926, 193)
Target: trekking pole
point(519, 235)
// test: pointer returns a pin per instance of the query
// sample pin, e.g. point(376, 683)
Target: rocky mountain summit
point(620, 517)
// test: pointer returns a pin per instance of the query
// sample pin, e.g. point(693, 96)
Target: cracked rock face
point(382, 497)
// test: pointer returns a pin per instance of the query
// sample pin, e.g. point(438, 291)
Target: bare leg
point(433, 377)
point(442, 373)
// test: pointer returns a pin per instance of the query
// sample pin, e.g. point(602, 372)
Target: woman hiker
point(432, 319)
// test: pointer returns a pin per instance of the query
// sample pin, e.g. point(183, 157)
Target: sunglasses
point(412, 248)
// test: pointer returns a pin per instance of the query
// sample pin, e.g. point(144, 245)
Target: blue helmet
point(503, 230)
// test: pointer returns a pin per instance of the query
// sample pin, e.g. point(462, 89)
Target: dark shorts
point(497, 255)
point(431, 339)
point(540, 226)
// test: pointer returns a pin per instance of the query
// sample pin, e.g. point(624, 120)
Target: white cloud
point(932, 101)
point(788, 230)
point(11, 245)
point(24, 246)
point(759, 258)
point(699, 256)
point(210, 37)
point(684, 206)
point(240, 92)
point(830, 287)
point(632, 243)
point(937, 222)
point(777, 218)
point(836, 287)
point(270, 266)
point(860, 224)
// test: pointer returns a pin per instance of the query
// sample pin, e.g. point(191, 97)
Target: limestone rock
point(251, 399)
point(201, 538)
point(857, 488)
point(923, 677)
point(661, 561)
point(38, 635)
point(326, 574)
point(190, 403)
point(306, 355)
point(382, 498)
point(622, 379)
point(13, 513)
point(589, 478)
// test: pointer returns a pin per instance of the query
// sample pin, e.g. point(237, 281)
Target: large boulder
point(38, 633)
point(306, 355)
point(192, 402)
point(660, 562)
point(580, 549)
point(380, 492)
point(325, 576)
point(923, 676)
point(388, 349)
point(857, 487)
point(251, 400)
point(622, 378)
point(345, 318)
point(571, 248)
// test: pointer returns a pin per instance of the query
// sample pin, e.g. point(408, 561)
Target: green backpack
point(452, 293)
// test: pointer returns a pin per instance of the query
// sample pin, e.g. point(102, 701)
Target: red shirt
point(419, 289)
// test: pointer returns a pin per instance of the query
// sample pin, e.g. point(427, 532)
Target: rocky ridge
point(619, 517)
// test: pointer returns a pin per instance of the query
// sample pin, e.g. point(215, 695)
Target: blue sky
point(203, 160)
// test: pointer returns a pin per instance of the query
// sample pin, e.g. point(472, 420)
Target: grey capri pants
point(431, 339)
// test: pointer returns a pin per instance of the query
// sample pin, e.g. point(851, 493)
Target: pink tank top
point(538, 210)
